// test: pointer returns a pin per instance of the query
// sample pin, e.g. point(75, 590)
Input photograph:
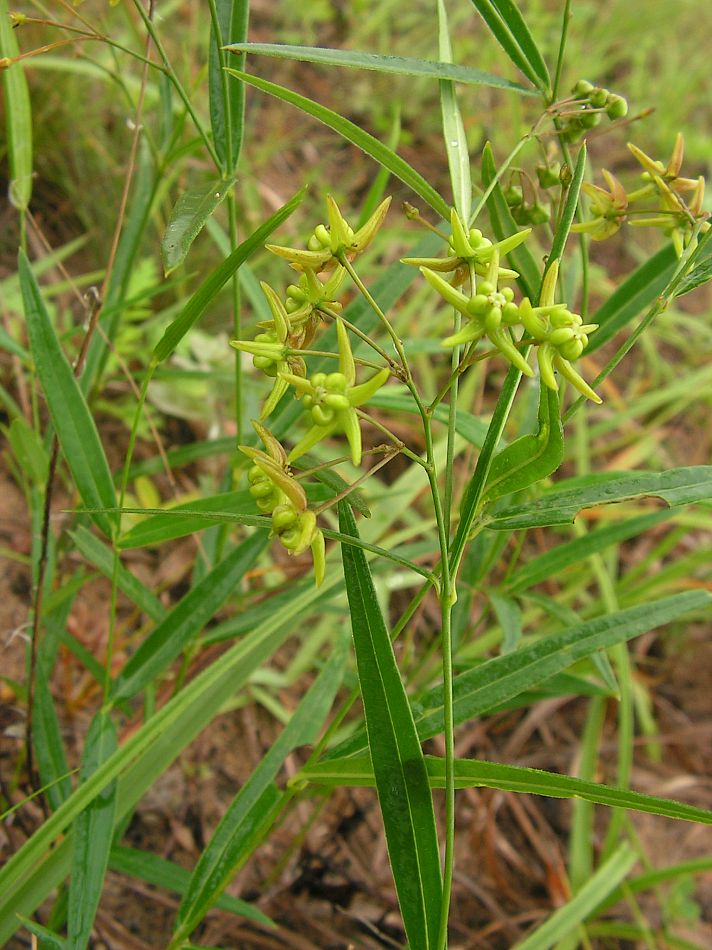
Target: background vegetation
point(255, 655)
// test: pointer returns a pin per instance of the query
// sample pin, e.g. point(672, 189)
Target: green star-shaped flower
point(332, 400)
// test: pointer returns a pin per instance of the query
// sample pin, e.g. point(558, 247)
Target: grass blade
point(550, 563)
point(197, 304)
point(102, 558)
point(188, 219)
point(41, 863)
point(227, 98)
point(679, 486)
point(563, 921)
point(401, 779)
point(145, 186)
point(397, 65)
point(71, 417)
point(453, 128)
point(187, 618)
point(635, 294)
point(18, 116)
point(357, 136)
point(93, 831)
point(234, 838)
point(172, 877)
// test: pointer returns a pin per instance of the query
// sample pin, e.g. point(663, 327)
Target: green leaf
point(496, 681)
point(210, 287)
point(532, 457)
point(18, 116)
point(235, 837)
point(188, 218)
point(357, 136)
point(453, 128)
point(93, 832)
point(503, 225)
point(29, 451)
point(550, 563)
point(566, 919)
point(398, 65)
point(187, 618)
point(567, 215)
point(400, 775)
point(635, 294)
point(679, 486)
point(238, 507)
point(48, 940)
point(172, 877)
point(227, 98)
point(472, 496)
point(511, 32)
point(72, 419)
point(356, 771)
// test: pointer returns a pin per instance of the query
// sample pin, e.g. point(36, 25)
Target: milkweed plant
point(502, 274)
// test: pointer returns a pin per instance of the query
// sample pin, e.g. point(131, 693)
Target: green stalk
point(171, 73)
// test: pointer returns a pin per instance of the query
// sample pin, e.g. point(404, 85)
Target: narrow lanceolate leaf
point(532, 457)
point(188, 218)
point(453, 127)
point(502, 678)
point(237, 507)
point(357, 136)
point(679, 486)
point(187, 618)
point(211, 286)
point(635, 294)
point(227, 97)
point(72, 420)
point(511, 32)
point(566, 919)
point(398, 65)
point(93, 831)
point(148, 867)
point(18, 116)
point(235, 837)
point(567, 215)
point(503, 225)
point(399, 767)
point(357, 771)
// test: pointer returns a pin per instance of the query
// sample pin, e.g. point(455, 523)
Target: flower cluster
point(332, 399)
point(492, 313)
point(588, 104)
point(665, 200)
point(276, 491)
